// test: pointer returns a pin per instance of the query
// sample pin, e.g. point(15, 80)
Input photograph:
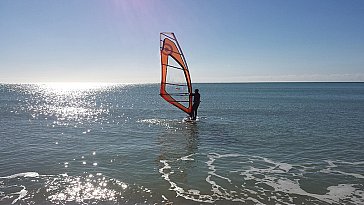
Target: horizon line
point(144, 83)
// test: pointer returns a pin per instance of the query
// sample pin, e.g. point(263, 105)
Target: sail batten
point(174, 67)
point(176, 87)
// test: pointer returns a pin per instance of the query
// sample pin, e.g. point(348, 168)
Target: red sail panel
point(176, 87)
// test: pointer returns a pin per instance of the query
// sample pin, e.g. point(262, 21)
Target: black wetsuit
point(196, 103)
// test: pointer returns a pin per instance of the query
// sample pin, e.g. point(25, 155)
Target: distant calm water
point(255, 143)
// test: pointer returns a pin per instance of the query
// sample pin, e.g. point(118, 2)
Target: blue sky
point(224, 41)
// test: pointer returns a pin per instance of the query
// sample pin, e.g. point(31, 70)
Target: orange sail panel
point(176, 87)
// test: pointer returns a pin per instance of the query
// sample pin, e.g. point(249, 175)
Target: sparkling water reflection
point(67, 101)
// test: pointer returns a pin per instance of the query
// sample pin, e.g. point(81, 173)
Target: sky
point(117, 41)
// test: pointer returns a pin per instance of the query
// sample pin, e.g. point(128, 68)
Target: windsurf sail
point(176, 87)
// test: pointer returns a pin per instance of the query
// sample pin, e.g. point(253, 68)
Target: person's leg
point(193, 111)
point(196, 112)
point(196, 108)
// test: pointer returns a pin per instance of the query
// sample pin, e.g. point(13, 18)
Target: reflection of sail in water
point(177, 144)
point(176, 87)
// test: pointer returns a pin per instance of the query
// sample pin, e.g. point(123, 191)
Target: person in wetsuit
point(196, 103)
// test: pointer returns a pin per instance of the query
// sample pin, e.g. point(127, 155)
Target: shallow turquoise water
point(254, 143)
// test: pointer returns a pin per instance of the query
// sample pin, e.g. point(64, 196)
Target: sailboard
point(176, 87)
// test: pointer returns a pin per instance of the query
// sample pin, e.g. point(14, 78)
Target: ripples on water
point(77, 143)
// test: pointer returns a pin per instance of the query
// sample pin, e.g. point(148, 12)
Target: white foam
point(218, 192)
point(335, 194)
point(22, 193)
point(165, 198)
point(213, 169)
point(190, 195)
point(187, 158)
point(25, 174)
point(332, 165)
point(282, 177)
point(194, 192)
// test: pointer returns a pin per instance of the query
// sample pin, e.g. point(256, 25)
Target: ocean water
point(254, 143)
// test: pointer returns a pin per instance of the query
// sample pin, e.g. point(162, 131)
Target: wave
point(259, 180)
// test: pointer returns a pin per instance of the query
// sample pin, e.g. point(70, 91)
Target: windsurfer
point(196, 103)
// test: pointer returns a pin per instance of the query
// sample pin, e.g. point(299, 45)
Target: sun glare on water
point(67, 101)
point(73, 86)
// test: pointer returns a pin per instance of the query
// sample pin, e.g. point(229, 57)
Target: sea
point(253, 143)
